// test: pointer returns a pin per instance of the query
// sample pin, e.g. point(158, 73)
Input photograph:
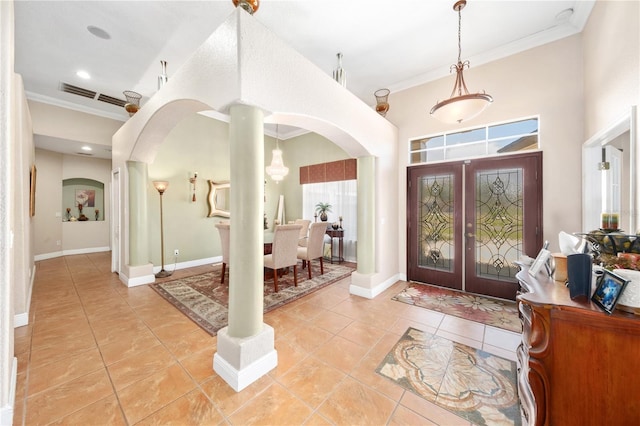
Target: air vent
point(111, 100)
point(85, 154)
point(75, 90)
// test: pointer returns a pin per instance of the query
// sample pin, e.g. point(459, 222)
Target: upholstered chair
point(283, 252)
point(224, 230)
point(314, 248)
point(304, 231)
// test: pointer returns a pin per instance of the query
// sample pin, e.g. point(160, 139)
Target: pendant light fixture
point(277, 170)
point(462, 105)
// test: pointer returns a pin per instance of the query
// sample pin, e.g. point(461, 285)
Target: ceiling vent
point(75, 90)
point(85, 154)
point(111, 100)
point(91, 94)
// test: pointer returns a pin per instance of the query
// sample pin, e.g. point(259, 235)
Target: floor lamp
point(161, 186)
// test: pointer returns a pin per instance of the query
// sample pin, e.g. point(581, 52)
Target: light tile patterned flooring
point(96, 352)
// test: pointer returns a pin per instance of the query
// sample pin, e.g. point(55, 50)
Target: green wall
point(201, 144)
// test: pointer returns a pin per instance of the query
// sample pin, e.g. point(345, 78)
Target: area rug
point(205, 301)
point(494, 312)
point(472, 384)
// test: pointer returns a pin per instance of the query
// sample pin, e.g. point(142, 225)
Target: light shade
point(461, 105)
point(461, 108)
point(277, 170)
point(160, 185)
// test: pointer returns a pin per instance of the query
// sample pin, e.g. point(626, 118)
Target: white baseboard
point(240, 379)
point(22, 319)
point(134, 282)
point(371, 293)
point(6, 412)
point(46, 256)
point(55, 254)
point(189, 264)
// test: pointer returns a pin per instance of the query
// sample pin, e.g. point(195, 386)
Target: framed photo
point(540, 261)
point(86, 197)
point(609, 290)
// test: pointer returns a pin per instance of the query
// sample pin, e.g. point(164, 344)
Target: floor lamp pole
point(161, 186)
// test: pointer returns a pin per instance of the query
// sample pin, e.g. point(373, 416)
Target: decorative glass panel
point(435, 232)
point(499, 222)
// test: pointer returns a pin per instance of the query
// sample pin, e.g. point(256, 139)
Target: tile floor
point(96, 352)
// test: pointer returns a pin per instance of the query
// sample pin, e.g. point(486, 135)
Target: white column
point(366, 250)
point(363, 280)
point(139, 269)
point(246, 346)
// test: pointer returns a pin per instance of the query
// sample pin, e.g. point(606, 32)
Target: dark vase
point(323, 217)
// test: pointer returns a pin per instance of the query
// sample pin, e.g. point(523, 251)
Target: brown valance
point(329, 172)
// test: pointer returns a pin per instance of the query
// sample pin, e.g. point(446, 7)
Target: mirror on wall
point(609, 177)
point(82, 200)
point(218, 199)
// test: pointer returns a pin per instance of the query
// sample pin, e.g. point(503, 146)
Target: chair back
point(285, 245)
point(305, 227)
point(315, 245)
point(224, 229)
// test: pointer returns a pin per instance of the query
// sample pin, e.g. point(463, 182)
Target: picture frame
point(32, 190)
point(539, 262)
point(609, 289)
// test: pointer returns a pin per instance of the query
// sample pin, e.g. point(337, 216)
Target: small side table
point(336, 234)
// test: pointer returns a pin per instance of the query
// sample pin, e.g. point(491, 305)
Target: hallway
point(96, 352)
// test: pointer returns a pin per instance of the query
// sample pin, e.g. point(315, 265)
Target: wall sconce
point(192, 181)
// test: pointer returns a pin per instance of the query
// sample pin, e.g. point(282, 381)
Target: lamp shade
point(461, 108)
point(277, 170)
point(160, 185)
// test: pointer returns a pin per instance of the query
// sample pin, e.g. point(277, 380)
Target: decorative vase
point(335, 225)
point(250, 6)
point(382, 103)
point(323, 217)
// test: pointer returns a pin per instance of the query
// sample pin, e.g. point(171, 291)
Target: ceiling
point(385, 43)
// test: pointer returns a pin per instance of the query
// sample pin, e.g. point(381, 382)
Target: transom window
point(521, 135)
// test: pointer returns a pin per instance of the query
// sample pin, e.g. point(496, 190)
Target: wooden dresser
point(576, 364)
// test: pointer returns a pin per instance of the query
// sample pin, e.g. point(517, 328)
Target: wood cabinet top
point(542, 290)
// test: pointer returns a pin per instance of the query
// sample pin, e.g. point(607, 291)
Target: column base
point(370, 285)
point(242, 361)
point(133, 276)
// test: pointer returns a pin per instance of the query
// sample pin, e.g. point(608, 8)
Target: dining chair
point(284, 252)
point(304, 232)
point(224, 230)
point(314, 248)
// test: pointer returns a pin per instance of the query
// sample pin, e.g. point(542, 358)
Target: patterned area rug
point(203, 299)
point(495, 312)
point(470, 383)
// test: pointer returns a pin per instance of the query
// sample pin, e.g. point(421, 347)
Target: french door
point(469, 221)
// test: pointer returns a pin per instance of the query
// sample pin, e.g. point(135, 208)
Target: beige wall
point(297, 152)
point(58, 122)
point(545, 82)
point(611, 45)
point(53, 236)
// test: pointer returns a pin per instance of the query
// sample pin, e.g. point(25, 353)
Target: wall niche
point(82, 200)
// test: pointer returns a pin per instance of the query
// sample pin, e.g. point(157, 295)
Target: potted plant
point(322, 209)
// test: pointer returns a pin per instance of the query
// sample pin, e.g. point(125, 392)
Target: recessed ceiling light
point(86, 148)
point(83, 74)
point(99, 32)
